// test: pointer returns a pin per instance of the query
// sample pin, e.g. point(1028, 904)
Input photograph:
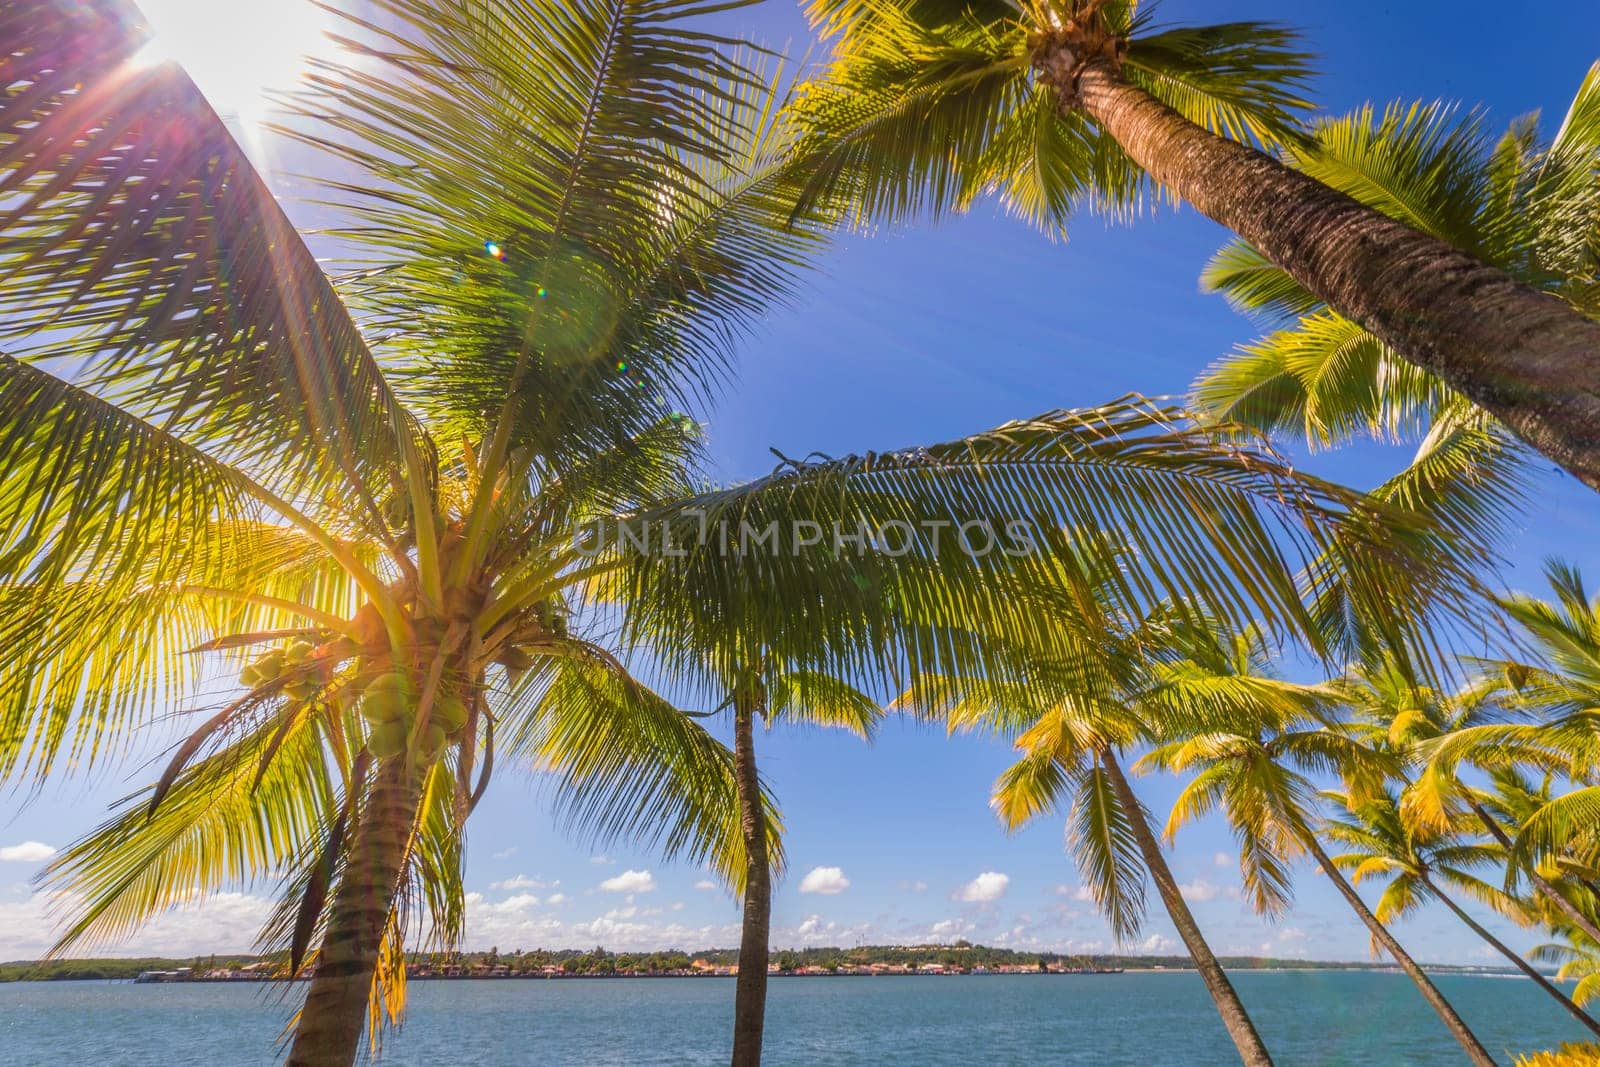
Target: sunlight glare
point(238, 50)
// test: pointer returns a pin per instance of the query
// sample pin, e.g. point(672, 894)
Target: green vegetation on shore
point(599, 961)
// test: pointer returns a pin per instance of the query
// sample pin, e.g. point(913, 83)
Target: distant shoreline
point(857, 961)
point(160, 971)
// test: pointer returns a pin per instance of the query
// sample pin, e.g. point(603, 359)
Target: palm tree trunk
point(1521, 964)
point(1251, 1049)
point(1525, 357)
point(750, 990)
point(335, 1013)
point(1380, 933)
point(1540, 882)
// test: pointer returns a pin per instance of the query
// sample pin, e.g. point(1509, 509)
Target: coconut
point(433, 743)
point(302, 689)
point(249, 677)
point(449, 713)
point(387, 740)
point(384, 705)
point(270, 666)
point(298, 651)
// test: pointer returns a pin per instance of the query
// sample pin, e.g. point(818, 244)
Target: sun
point(238, 50)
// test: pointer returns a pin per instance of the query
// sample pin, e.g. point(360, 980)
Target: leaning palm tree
point(1123, 685)
point(1520, 202)
point(927, 104)
point(1428, 864)
point(1255, 771)
point(1558, 687)
point(1423, 725)
point(1579, 961)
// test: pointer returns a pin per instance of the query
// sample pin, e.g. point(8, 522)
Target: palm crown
point(928, 104)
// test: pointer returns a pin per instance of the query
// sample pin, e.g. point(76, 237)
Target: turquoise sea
point(1106, 1020)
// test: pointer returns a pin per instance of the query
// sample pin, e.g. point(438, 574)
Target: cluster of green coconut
point(278, 662)
point(389, 704)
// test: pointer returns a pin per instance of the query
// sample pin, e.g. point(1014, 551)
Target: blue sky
point(913, 337)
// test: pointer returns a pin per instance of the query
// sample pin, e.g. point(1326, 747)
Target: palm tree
point(1254, 770)
point(246, 459)
point(1560, 689)
point(1579, 959)
point(686, 639)
point(1420, 864)
point(798, 696)
point(1126, 683)
point(1516, 202)
point(1416, 722)
point(926, 608)
point(927, 104)
point(361, 492)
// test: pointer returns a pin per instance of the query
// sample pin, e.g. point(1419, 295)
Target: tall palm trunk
point(1251, 1049)
point(335, 1011)
point(1524, 356)
point(1521, 964)
point(1380, 933)
point(1546, 889)
point(750, 990)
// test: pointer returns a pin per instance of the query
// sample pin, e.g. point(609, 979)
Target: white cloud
point(950, 928)
point(601, 861)
point(1221, 859)
point(988, 886)
point(919, 886)
point(505, 853)
point(708, 885)
point(522, 881)
point(1199, 891)
point(225, 922)
point(520, 902)
point(630, 882)
point(27, 852)
point(1157, 943)
point(556, 898)
point(1080, 893)
point(829, 881)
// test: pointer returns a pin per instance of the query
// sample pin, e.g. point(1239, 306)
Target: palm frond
point(816, 699)
point(224, 823)
point(1240, 80)
point(147, 258)
point(1169, 514)
point(1100, 835)
point(626, 765)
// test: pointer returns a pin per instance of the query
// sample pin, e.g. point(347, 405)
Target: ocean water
point(1130, 1019)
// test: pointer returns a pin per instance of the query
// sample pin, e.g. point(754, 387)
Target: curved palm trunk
point(750, 990)
point(1251, 1049)
point(1573, 913)
point(1524, 356)
point(1380, 933)
point(1521, 964)
point(335, 1012)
